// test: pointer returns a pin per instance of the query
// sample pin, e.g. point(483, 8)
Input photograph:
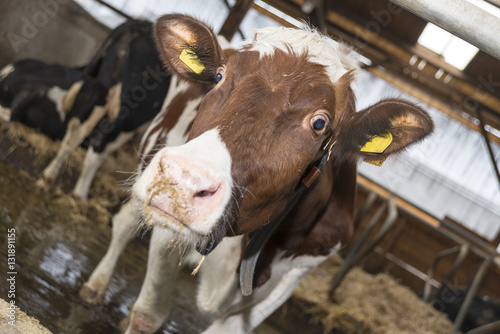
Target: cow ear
point(188, 47)
point(385, 128)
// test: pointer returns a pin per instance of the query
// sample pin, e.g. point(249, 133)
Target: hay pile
point(31, 151)
point(367, 304)
point(24, 324)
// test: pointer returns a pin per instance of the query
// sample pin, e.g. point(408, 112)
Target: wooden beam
point(234, 19)
point(276, 18)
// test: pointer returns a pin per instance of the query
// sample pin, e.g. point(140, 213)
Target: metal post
point(471, 292)
point(462, 251)
point(462, 19)
point(360, 249)
point(488, 145)
point(116, 10)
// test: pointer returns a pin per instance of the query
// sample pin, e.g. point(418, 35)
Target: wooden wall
point(409, 248)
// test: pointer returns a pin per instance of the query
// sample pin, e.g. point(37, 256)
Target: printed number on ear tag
point(378, 144)
point(191, 60)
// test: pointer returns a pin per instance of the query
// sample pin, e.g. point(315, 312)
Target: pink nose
point(185, 191)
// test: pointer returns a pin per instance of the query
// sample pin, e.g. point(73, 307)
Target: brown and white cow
point(275, 107)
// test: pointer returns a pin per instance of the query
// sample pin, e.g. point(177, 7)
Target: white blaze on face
point(187, 188)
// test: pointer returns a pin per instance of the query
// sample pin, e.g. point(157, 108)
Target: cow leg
point(125, 226)
point(74, 136)
point(93, 160)
point(154, 302)
point(246, 313)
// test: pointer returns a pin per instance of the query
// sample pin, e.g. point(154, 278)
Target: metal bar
point(462, 19)
point(392, 215)
point(116, 10)
point(372, 196)
point(471, 292)
point(488, 145)
point(360, 249)
point(353, 256)
point(432, 267)
point(486, 329)
point(462, 254)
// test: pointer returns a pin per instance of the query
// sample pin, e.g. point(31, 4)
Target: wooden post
point(233, 21)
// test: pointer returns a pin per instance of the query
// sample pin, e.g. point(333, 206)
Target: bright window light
point(492, 9)
point(459, 53)
point(434, 38)
point(455, 51)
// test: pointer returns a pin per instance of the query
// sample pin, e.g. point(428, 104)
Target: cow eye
point(319, 122)
point(219, 75)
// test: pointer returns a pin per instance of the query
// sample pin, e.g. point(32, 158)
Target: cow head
point(272, 107)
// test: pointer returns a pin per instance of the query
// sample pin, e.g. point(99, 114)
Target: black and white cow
point(123, 88)
point(36, 94)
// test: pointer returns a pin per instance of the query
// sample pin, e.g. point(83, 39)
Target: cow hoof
point(91, 295)
point(139, 323)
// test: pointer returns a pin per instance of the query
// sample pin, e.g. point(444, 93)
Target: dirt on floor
point(363, 303)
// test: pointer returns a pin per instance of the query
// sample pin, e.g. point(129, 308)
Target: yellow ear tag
point(191, 60)
point(377, 163)
point(378, 144)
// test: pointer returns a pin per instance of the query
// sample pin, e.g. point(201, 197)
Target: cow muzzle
point(187, 188)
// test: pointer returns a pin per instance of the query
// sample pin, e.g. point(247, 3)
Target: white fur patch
point(178, 134)
point(70, 97)
point(56, 95)
point(6, 71)
point(337, 58)
point(5, 113)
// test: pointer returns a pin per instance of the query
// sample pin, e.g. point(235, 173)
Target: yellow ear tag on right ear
point(378, 144)
point(191, 60)
point(377, 163)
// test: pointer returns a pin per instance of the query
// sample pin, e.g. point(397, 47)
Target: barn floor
point(59, 241)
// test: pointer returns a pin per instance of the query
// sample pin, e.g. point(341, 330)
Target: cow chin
point(187, 188)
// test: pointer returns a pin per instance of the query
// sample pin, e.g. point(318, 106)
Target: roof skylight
point(454, 50)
